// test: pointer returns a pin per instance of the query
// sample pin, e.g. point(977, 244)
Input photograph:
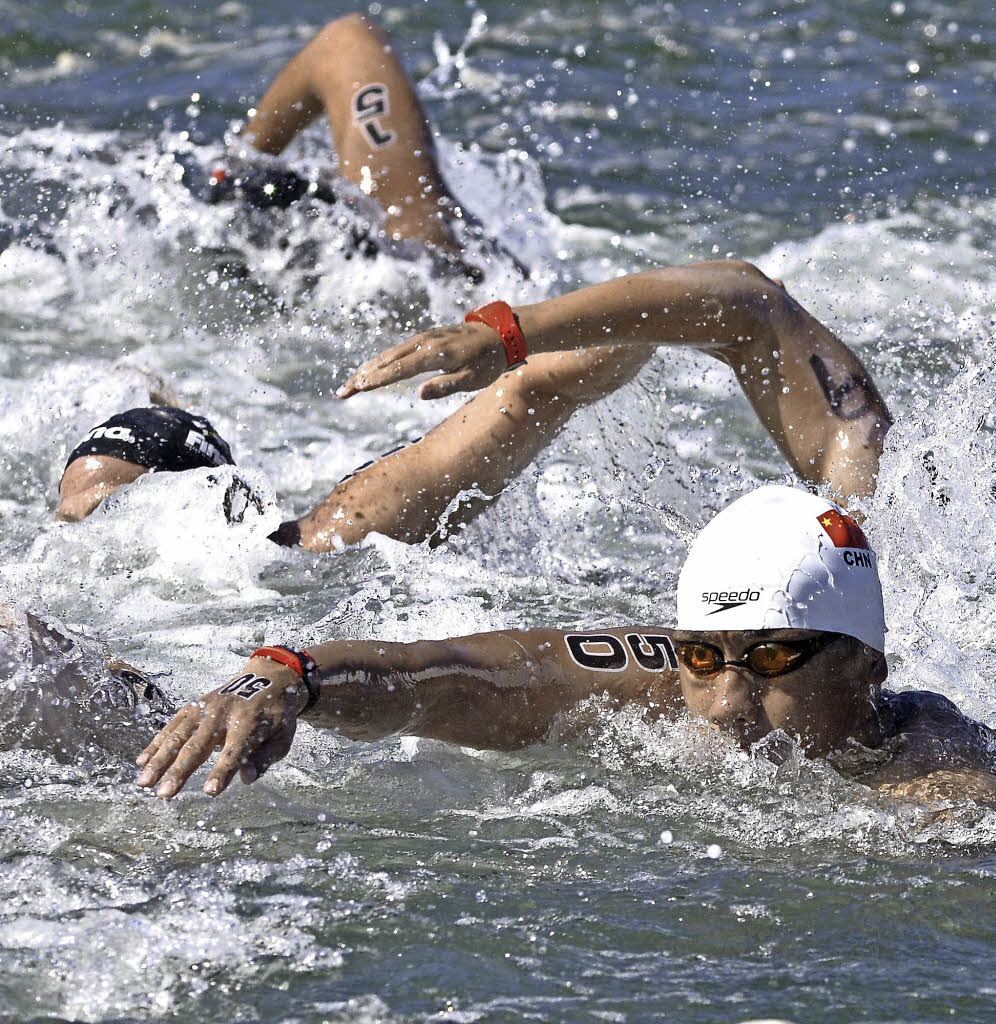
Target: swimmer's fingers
point(209, 735)
point(448, 384)
point(369, 377)
point(250, 748)
point(387, 368)
point(266, 755)
point(239, 747)
point(167, 743)
point(468, 348)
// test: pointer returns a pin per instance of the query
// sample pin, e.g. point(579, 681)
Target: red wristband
point(499, 317)
point(302, 663)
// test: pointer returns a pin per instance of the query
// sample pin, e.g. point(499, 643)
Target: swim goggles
point(768, 658)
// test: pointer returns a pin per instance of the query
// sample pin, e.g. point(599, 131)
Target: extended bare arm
point(808, 389)
point(500, 690)
point(350, 71)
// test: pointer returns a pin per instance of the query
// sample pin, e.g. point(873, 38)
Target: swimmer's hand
point(471, 356)
point(252, 718)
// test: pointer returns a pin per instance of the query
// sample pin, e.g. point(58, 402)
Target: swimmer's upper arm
point(812, 394)
point(507, 689)
point(629, 665)
point(496, 690)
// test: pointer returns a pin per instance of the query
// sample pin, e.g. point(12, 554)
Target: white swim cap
point(780, 558)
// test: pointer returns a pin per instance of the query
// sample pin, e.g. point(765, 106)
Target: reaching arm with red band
point(500, 317)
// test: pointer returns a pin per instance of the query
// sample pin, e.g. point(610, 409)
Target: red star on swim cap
point(842, 530)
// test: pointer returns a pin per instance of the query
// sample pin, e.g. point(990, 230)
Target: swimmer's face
point(90, 479)
point(822, 700)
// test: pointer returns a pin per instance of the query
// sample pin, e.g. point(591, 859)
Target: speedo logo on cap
point(727, 599)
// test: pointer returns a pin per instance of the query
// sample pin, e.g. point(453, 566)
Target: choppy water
point(629, 875)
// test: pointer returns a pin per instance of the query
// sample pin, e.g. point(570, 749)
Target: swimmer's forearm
point(289, 106)
point(494, 690)
point(708, 305)
point(473, 453)
point(713, 306)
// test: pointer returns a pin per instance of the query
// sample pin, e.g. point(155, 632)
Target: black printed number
point(370, 103)
point(602, 652)
point(246, 686)
point(598, 651)
point(652, 652)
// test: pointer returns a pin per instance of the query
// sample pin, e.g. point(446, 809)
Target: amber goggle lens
point(766, 659)
point(701, 659)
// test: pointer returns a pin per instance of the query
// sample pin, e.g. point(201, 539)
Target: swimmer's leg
point(480, 448)
point(379, 129)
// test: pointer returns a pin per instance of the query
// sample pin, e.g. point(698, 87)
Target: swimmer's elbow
point(744, 269)
point(333, 31)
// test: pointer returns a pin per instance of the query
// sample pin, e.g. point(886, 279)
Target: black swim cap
point(161, 438)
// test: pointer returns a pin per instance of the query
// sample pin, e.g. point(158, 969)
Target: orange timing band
point(499, 317)
point(303, 664)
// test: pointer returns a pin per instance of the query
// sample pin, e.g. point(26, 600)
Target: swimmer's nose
point(735, 707)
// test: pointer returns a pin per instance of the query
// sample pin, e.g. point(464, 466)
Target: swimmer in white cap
point(780, 629)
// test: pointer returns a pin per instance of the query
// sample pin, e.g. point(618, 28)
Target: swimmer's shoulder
point(928, 715)
point(912, 709)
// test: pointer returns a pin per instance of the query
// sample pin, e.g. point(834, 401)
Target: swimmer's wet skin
point(350, 72)
point(727, 308)
point(804, 657)
point(808, 389)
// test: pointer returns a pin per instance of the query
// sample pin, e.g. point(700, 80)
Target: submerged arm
point(493, 690)
point(964, 784)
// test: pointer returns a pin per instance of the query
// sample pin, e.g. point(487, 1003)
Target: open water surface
point(628, 875)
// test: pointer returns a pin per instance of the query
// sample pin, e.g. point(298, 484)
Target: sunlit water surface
point(630, 875)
